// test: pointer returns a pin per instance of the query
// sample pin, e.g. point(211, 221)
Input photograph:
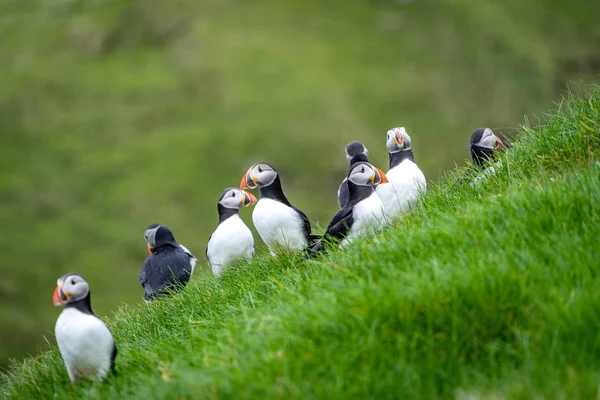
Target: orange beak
point(500, 144)
point(149, 250)
point(56, 297)
point(383, 178)
point(244, 182)
point(249, 199)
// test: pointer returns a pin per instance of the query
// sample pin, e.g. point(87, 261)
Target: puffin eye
point(260, 169)
point(72, 281)
point(362, 170)
point(233, 194)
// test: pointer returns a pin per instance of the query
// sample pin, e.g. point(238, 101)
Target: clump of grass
point(482, 291)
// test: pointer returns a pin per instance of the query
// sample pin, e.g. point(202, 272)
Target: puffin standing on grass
point(280, 225)
point(406, 181)
point(363, 213)
point(483, 146)
point(169, 264)
point(355, 152)
point(86, 344)
point(232, 241)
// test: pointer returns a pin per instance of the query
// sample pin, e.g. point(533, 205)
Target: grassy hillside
point(481, 293)
point(119, 113)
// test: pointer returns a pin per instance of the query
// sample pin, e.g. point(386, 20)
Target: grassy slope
point(119, 113)
point(480, 292)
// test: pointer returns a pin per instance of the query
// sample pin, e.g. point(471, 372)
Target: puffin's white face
point(365, 174)
point(70, 288)
point(236, 198)
point(489, 140)
point(257, 176)
point(397, 140)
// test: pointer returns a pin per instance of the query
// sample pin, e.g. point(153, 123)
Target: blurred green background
point(116, 113)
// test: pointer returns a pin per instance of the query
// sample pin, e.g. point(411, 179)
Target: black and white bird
point(406, 181)
point(169, 265)
point(483, 145)
point(363, 213)
point(355, 152)
point(280, 225)
point(232, 241)
point(85, 342)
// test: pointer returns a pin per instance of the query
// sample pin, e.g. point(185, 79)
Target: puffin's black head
point(258, 175)
point(356, 151)
point(365, 174)
point(483, 144)
point(69, 289)
point(235, 198)
point(158, 235)
point(397, 140)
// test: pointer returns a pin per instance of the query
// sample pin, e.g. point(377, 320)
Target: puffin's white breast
point(367, 216)
point(193, 259)
point(406, 184)
point(85, 344)
point(279, 225)
point(230, 242)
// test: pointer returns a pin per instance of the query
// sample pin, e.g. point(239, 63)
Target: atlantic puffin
point(483, 145)
point(363, 213)
point(280, 225)
point(406, 181)
point(86, 344)
point(355, 152)
point(169, 264)
point(232, 241)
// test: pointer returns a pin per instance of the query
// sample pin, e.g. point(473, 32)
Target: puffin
point(169, 265)
point(406, 181)
point(86, 345)
point(232, 240)
point(280, 225)
point(355, 151)
point(483, 146)
point(363, 213)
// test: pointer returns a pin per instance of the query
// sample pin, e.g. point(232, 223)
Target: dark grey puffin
point(355, 152)
point(169, 265)
point(85, 342)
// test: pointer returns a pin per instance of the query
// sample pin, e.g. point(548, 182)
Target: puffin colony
point(368, 198)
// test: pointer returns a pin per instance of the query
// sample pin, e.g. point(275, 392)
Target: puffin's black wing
point(343, 194)
point(164, 270)
point(112, 358)
point(306, 227)
point(338, 229)
point(340, 224)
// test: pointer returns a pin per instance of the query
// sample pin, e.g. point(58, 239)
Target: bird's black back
point(166, 269)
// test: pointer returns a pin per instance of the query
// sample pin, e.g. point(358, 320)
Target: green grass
point(488, 292)
point(119, 113)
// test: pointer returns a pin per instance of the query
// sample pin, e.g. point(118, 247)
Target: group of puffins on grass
point(368, 199)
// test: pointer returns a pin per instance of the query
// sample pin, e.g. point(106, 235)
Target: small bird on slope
point(169, 264)
point(355, 152)
point(406, 181)
point(85, 342)
point(363, 213)
point(279, 224)
point(483, 145)
point(232, 241)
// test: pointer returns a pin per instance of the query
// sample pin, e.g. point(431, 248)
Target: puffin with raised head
point(86, 344)
point(355, 152)
point(363, 212)
point(232, 241)
point(169, 265)
point(483, 146)
point(406, 181)
point(280, 225)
